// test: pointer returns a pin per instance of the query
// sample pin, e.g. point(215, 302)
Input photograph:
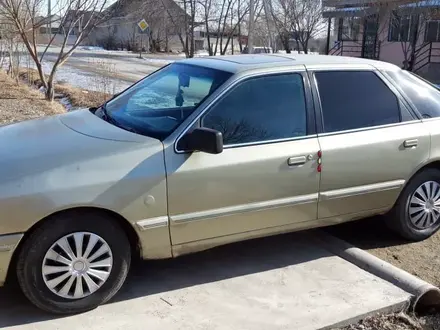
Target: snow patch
point(86, 80)
point(66, 103)
point(91, 48)
point(157, 60)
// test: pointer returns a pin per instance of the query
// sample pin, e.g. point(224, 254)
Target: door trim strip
point(243, 208)
point(360, 190)
point(150, 223)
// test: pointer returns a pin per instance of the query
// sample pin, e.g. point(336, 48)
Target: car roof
point(238, 63)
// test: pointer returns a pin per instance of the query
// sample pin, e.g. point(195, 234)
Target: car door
point(371, 142)
point(266, 175)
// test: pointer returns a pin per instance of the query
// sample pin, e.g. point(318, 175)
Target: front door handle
point(295, 161)
point(410, 143)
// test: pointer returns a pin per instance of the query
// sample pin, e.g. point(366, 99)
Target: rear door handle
point(410, 143)
point(295, 161)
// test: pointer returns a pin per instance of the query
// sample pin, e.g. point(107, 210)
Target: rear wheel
point(74, 262)
point(416, 215)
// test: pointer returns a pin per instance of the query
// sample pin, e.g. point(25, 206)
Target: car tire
point(106, 263)
point(407, 218)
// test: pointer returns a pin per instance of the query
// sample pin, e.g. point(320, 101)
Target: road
point(122, 65)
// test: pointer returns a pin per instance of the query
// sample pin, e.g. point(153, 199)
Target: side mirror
point(202, 139)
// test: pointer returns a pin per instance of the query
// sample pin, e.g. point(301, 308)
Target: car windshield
point(156, 105)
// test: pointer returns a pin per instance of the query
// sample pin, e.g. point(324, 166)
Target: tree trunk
point(232, 44)
point(50, 91)
point(239, 28)
point(210, 52)
point(305, 46)
point(41, 74)
point(285, 42)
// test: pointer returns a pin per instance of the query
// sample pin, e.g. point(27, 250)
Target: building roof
point(365, 9)
point(140, 9)
point(238, 63)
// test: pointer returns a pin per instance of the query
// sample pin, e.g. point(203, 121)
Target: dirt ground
point(421, 259)
point(399, 321)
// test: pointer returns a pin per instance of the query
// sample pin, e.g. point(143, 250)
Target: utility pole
point(49, 18)
point(251, 27)
point(268, 15)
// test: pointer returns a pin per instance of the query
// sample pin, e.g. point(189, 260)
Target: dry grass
point(82, 98)
point(78, 97)
point(20, 102)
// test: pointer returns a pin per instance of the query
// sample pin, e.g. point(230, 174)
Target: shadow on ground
point(152, 277)
point(367, 234)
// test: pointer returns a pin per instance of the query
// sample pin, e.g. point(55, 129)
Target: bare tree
point(307, 21)
point(183, 22)
point(11, 49)
point(75, 18)
point(230, 16)
point(261, 31)
point(298, 19)
point(283, 15)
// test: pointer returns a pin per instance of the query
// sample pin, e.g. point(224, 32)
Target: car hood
point(85, 122)
point(76, 137)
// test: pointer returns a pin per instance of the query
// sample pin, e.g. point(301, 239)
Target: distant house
point(164, 17)
point(49, 29)
point(402, 32)
point(227, 40)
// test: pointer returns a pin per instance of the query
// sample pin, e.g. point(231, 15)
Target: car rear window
point(355, 99)
point(422, 94)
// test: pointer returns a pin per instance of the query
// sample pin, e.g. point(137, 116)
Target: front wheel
point(73, 263)
point(416, 215)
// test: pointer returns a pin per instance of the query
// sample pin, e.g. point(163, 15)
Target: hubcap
point(77, 265)
point(424, 205)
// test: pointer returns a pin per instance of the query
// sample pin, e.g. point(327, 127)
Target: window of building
point(55, 30)
point(261, 109)
point(403, 27)
point(349, 28)
point(424, 96)
point(432, 31)
point(355, 99)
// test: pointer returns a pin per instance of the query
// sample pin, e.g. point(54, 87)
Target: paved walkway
point(282, 282)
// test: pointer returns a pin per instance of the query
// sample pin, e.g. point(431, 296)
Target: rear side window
point(424, 96)
point(355, 99)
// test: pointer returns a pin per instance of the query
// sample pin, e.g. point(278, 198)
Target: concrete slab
point(282, 282)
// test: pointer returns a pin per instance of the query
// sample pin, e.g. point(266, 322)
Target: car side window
point(355, 99)
point(260, 109)
point(424, 96)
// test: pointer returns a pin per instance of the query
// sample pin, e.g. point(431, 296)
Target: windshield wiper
point(113, 121)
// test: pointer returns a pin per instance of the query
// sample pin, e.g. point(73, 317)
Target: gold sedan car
point(205, 152)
